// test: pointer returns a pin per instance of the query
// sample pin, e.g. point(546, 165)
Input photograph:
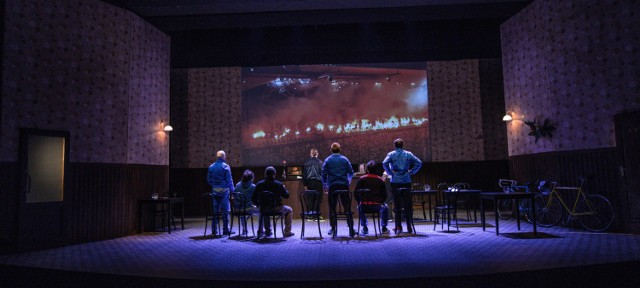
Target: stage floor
point(186, 254)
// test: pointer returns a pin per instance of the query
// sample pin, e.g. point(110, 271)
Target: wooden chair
point(239, 210)
point(445, 207)
point(342, 210)
point(210, 215)
point(368, 205)
point(267, 202)
point(310, 203)
point(406, 208)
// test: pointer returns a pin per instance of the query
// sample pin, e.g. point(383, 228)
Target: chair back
point(343, 198)
point(367, 199)
point(207, 199)
point(310, 201)
point(267, 201)
point(239, 203)
point(441, 199)
point(461, 185)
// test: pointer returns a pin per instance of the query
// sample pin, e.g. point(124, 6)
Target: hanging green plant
point(538, 130)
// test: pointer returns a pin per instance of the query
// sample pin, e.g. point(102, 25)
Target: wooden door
point(44, 158)
point(628, 150)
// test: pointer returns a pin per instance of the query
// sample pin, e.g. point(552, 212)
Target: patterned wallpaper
point(148, 95)
point(89, 68)
point(455, 111)
point(209, 104)
point(575, 63)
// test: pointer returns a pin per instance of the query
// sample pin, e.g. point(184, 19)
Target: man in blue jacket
point(400, 165)
point(336, 175)
point(219, 177)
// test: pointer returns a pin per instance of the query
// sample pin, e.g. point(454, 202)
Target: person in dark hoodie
point(269, 183)
point(246, 187)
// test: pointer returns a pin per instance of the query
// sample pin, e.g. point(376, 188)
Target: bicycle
point(593, 211)
point(506, 206)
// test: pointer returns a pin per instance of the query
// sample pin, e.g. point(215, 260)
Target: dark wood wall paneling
point(191, 182)
point(102, 201)
point(598, 166)
point(8, 200)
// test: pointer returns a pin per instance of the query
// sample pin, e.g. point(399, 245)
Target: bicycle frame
point(580, 197)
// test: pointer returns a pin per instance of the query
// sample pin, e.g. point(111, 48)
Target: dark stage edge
point(624, 274)
point(569, 257)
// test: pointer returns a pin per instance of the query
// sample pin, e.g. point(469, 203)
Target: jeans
point(222, 206)
point(288, 218)
point(401, 205)
point(384, 215)
point(333, 202)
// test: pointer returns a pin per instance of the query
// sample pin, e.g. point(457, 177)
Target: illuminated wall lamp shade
point(509, 116)
point(167, 127)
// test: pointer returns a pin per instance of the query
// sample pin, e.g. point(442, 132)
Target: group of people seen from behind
point(331, 176)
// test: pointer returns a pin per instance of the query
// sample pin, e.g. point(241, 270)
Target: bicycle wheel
point(548, 213)
point(505, 208)
point(602, 216)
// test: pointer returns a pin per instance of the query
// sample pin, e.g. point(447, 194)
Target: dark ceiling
point(207, 33)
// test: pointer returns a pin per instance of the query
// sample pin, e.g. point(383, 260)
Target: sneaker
point(409, 230)
point(397, 230)
point(268, 233)
point(365, 230)
point(289, 234)
point(228, 232)
point(352, 232)
point(330, 232)
point(385, 230)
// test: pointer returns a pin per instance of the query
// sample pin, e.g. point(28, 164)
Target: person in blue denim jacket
point(400, 165)
point(219, 177)
point(336, 175)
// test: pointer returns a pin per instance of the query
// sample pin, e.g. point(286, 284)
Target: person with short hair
point(219, 177)
point(312, 173)
point(400, 165)
point(378, 189)
point(246, 187)
point(336, 175)
point(269, 183)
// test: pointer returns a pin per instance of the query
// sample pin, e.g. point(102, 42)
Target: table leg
point(430, 208)
point(140, 217)
point(533, 212)
point(495, 210)
point(482, 217)
point(182, 216)
point(518, 213)
point(169, 206)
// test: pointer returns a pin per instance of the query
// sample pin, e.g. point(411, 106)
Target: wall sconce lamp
point(166, 127)
point(510, 115)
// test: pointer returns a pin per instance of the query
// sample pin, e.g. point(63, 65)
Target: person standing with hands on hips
point(400, 165)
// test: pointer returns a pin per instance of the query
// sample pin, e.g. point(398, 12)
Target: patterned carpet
point(185, 258)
